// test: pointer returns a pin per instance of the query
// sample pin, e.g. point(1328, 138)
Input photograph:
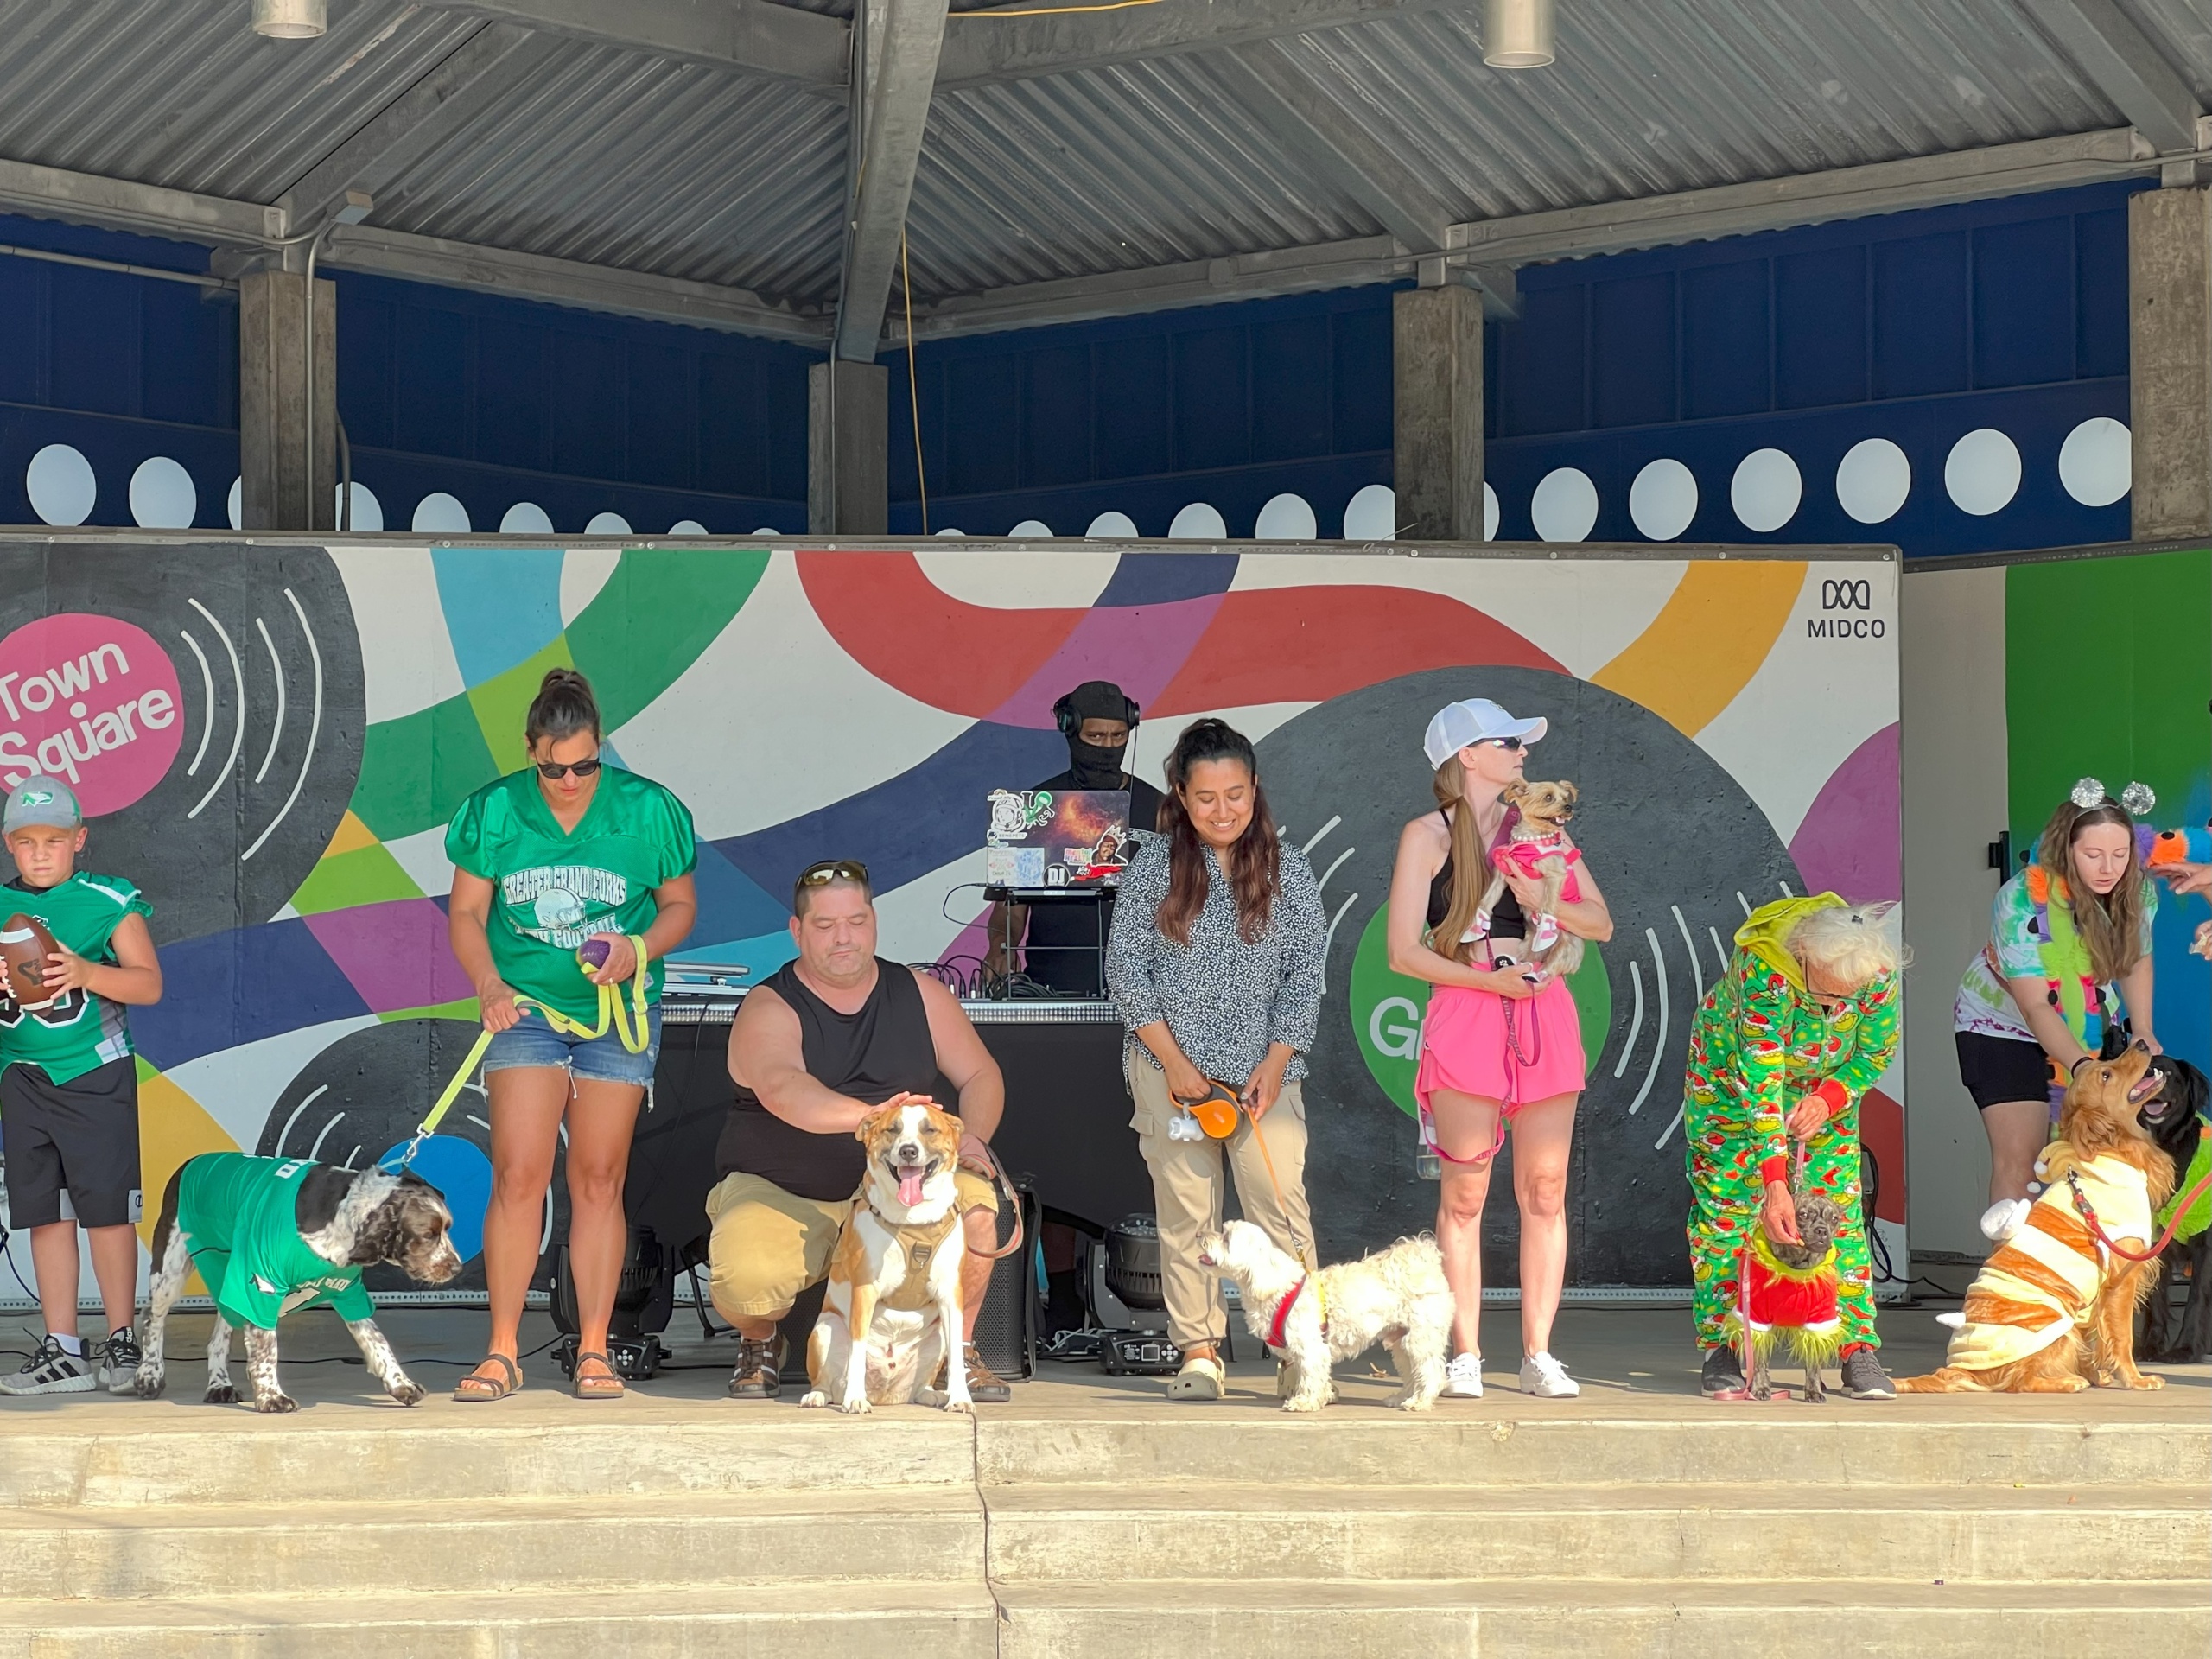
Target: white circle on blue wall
point(1371, 515)
point(1982, 472)
point(767, 530)
point(368, 511)
point(1663, 499)
point(1872, 480)
point(608, 524)
point(237, 504)
point(61, 485)
point(2096, 461)
point(950, 534)
point(1032, 530)
point(439, 514)
point(1199, 522)
point(1565, 505)
point(1112, 527)
point(1287, 518)
point(687, 527)
point(525, 518)
point(1490, 510)
point(1765, 490)
point(161, 495)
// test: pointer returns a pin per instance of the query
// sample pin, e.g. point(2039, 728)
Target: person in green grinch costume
point(1783, 1049)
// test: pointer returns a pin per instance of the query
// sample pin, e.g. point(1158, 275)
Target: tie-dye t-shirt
point(1984, 1004)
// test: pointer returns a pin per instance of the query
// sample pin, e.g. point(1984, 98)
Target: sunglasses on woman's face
point(1511, 745)
point(561, 769)
point(834, 869)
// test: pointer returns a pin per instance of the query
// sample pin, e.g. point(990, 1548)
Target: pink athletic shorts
point(1464, 1048)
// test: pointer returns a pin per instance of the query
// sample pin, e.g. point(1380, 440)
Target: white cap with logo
point(1458, 725)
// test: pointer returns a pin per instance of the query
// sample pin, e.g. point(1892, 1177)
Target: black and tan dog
point(2175, 1118)
point(271, 1235)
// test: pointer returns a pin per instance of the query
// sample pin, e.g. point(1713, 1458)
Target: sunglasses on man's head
point(562, 768)
point(834, 869)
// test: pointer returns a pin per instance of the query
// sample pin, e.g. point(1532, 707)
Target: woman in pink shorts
point(1502, 1044)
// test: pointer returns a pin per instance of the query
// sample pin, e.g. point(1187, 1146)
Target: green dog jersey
point(555, 890)
point(80, 1032)
point(240, 1215)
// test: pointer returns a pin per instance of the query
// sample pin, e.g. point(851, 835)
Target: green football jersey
point(80, 1032)
point(555, 890)
point(241, 1216)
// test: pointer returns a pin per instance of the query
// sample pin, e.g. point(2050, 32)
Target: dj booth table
point(1065, 1131)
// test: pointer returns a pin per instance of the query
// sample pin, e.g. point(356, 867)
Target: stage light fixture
point(291, 19)
point(1517, 33)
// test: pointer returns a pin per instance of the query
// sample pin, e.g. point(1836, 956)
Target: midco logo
point(1845, 593)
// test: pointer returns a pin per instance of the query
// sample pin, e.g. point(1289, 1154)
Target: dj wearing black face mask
point(1099, 720)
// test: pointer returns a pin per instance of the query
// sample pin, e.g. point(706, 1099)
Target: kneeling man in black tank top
point(816, 1047)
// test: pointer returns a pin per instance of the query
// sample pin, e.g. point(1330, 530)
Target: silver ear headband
point(2139, 798)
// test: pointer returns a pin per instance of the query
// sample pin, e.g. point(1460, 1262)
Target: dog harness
point(1523, 856)
point(919, 1245)
point(2045, 1279)
point(240, 1218)
point(1280, 1323)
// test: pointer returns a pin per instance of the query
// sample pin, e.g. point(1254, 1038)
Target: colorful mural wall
point(1731, 723)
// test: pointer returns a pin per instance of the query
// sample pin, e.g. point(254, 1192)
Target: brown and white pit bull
point(895, 1276)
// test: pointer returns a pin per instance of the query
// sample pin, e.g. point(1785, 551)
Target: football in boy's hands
point(24, 946)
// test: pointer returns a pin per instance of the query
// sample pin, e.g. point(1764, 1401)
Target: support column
point(2169, 361)
point(278, 489)
point(1436, 377)
point(846, 478)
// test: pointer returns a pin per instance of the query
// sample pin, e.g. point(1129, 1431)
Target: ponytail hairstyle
point(1470, 863)
point(562, 708)
point(2110, 926)
point(1252, 864)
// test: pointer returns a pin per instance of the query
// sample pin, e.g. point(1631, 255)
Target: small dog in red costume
point(1787, 1294)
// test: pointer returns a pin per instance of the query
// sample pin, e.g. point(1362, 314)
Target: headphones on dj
point(1064, 715)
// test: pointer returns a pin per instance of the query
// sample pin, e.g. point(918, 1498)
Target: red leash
point(2088, 1213)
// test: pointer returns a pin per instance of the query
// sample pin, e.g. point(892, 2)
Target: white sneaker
point(1544, 1376)
point(52, 1369)
point(2003, 1218)
point(1463, 1377)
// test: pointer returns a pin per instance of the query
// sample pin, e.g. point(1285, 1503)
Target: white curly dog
point(1396, 1297)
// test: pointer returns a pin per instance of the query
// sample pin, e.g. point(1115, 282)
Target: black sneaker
point(1723, 1373)
point(52, 1369)
point(757, 1374)
point(119, 1359)
point(1864, 1378)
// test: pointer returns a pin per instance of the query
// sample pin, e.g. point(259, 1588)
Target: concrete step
point(1855, 1444)
point(1103, 1535)
point(210, 1455)
point(532, 1548)
point(135, 1457)
point(911, 1619)
point(1538, 1618)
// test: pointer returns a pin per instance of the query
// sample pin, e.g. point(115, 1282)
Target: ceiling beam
point(751, 37)
point(124, 205)
point(2123, 64)
point(496, 57)
point(981, 49)
point(892, 106)
point(1562, 233)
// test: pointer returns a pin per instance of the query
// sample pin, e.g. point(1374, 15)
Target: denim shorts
point(530, 1041)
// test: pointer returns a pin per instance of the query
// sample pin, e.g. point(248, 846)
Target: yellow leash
point(631, 1026)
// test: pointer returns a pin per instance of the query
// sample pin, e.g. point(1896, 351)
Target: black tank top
point(880, 1050)
point(1506, 920)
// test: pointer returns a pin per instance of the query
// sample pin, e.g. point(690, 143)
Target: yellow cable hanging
point(1056, 11)
point(913, 386)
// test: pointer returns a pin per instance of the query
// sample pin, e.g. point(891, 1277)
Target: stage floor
point(1634, 1363)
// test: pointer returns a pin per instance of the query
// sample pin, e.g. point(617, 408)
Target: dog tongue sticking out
point(910, 1187)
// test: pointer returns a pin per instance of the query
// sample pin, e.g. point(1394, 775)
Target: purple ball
point(594, 953)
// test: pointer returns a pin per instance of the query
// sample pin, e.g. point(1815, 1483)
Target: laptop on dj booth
point(1046, 840)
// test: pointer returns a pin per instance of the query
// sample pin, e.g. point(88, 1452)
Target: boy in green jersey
point(69, 1089)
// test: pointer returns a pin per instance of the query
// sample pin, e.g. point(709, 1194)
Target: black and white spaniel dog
point(272, 1234)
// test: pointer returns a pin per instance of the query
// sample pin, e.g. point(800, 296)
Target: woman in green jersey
point(545, 861)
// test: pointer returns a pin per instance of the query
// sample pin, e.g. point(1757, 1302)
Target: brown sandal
point(609, 1387)
point(487, 1389)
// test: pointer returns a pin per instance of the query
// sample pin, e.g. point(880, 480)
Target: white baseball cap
point(1476, 720)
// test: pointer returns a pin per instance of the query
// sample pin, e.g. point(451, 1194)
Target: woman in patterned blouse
point(1215, 962)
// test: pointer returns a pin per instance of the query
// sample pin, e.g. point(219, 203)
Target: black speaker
point(1005, 1325)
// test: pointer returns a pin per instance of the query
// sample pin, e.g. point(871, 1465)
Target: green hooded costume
point(1760, 1043)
